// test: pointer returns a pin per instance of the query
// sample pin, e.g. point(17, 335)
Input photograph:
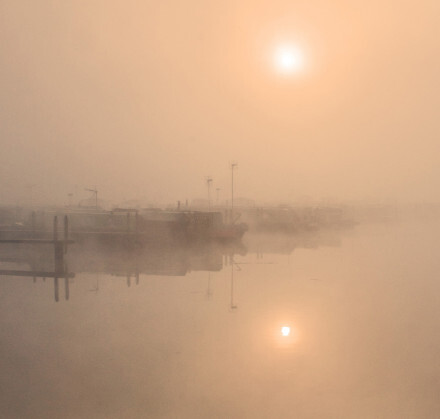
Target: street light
point(208, 182)
point(233, 166)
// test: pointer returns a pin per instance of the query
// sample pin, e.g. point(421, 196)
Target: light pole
point(233, 166)
point(218, 192)
point(208, 182)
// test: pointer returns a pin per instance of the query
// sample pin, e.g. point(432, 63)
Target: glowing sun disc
point(288, 59)
point(285, 330)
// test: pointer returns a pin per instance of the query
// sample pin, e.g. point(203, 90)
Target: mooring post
point(55, 228)
point(33, 224)
point(59, 258)
point(136, 267)
point(33, 266)
point(58, 248)
point(66, 233)
point(136, 226)
point(66, 281)
point(128, 240)
point(55, 284)
point(33, 236)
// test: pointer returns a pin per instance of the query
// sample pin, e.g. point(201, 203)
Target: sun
point(285, 330)
point(288, 59)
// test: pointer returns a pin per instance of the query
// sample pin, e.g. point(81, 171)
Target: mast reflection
point(234, 266)
point(153, 260)
point(129, 263)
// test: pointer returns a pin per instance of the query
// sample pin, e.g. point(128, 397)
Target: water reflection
point(152, 260)
point(234, 266)
point(164, 349)
point(285, 244)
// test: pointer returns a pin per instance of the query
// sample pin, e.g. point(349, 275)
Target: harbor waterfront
point(279, 325)
point(127, 225)
point(219, 209)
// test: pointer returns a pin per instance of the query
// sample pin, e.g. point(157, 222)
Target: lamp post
point(208, 182)
point(233, 166)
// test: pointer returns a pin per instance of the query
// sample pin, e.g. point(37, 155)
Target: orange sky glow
point(145, 99)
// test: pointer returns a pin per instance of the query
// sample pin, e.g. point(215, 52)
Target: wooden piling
point(66, 233)
point(56, 289)
point(66, 282)
point(33, 224)
point(55, 228)
point(136, 228)
point(59, 258)
point(58, 249)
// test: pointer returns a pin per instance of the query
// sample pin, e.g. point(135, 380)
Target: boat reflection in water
point(199, 314)
point(155, 260)
point(150, 260)
point(316, 325)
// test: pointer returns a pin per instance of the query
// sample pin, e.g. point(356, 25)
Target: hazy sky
point(145, 98)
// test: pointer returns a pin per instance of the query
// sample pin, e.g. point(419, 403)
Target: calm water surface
point(199, 335)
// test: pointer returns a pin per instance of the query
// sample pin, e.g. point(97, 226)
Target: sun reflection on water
point(285, 331)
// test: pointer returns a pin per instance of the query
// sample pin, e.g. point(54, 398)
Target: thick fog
point(315, 296)
point(143, 99)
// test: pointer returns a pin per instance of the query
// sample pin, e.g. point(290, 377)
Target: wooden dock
point(59, 248)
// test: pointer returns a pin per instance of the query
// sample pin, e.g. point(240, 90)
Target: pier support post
point(56, 289)
point(55, 228)
point(66, 233)
point(136, 228)
point(58, 249)
point(66, 281)
point(33, 224)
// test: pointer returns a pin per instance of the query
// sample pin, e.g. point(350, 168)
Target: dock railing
point(59, 248)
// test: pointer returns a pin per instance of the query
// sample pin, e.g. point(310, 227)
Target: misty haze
point(219, 209)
